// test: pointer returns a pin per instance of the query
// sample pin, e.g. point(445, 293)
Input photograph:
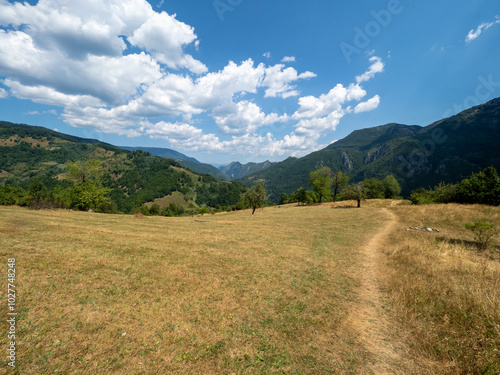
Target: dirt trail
point(368, 318)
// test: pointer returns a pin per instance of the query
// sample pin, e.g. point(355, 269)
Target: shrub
point(154, 209)
point(421, 196)
point(203, 210)
point(483, 231)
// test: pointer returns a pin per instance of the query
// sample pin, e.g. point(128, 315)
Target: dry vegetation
point(104, 294)
point(444, 290)
point(275, 292)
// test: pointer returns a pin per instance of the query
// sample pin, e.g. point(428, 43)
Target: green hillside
point(203, 168)
point(28, 152)
point(448, 150)
point(183, 160)
point(165, 153)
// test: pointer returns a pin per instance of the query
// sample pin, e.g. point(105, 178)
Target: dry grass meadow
point(289, 290)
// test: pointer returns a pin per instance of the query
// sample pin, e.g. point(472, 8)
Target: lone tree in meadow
point(354, 192)
point(321, 180)
point(339, 181)
point(255, 197)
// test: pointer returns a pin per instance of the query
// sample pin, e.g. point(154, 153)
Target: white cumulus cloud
point(164, 36)
point(369, 105)
point(76, 55)
point(278, 81)
point(243, 117)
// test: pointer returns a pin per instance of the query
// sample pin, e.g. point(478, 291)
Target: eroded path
point(368, 317)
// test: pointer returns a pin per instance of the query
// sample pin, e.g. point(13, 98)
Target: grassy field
point(236, 293)
point(104, 294)
point(444, 290)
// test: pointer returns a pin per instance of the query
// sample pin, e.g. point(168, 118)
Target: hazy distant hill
point(166, 153)
point(447, 150)
point(232, 171)
point(203, 168)
point(28, 152)
point(236, 170)
point(182, 159)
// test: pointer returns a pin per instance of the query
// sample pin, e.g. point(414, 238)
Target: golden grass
point(238, 294)
point(275, 292)
point(444, 291)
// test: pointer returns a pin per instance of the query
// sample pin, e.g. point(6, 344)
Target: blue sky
point(243, 80)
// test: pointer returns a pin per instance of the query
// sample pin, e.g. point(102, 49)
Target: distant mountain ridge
point(447, 150)
point(166, 153)
point(184, 160)
point(232, 171)
point(236, 170)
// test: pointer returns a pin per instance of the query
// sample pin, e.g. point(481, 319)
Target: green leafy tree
point(94, 196)
point(374, 188)
point(311, 197)
point(479, 188)
point(284, 198)
point(37, 194)
point(321, 180)
point(392, 189)
point(255, 198)
point(83, 171)
point(339, 181)
point(11, 195)
point(482, 188)
point(87, 191)
point(299, 196)
point(354, 192)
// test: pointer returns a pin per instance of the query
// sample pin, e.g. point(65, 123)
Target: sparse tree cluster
point(328, 186)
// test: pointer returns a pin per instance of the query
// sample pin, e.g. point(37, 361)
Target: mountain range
point(232, 171)
point(418, 156)
point(445, 151)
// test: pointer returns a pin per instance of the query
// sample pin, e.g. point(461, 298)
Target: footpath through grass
point(444, 290)
point(238, 294)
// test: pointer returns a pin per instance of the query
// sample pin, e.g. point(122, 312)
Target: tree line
point(330, 187)
point(85, 185)
point(479, 188)
point(83, 190)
